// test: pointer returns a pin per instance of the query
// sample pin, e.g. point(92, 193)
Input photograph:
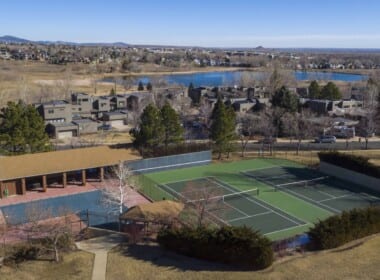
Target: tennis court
point(229, 206)
point(316, 188)
point(279, 198)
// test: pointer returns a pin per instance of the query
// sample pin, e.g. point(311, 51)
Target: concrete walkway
point(100, 247)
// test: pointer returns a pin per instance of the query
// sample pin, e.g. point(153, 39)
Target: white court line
point(303, 181)
point(221, 220)
point(229, 205)
point(177, 164)
point(186, 180)
point(370, 196)
point(262, 168)
point(270, 185)
point(256, 202)
point(337, 197)
point(325, 193)
point(170, 189)
point(285, 229)
point(306, 199)
point(250, 216)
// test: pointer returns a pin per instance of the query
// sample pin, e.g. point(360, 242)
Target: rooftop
point(21, 166)
point(55, 103)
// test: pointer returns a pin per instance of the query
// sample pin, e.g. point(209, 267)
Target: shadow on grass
point(160, 257)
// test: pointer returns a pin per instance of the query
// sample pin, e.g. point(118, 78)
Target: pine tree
point(22, 129)
point(314, 90)
point(283, 98)
point(140, 87)
point(149, 134)
point(331, 92)
point(173, 131)
point(149, 86)
point(222, 127)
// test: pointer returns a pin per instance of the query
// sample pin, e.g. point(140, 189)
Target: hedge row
point(356, 163)
point(232, 245)
point(338, 230)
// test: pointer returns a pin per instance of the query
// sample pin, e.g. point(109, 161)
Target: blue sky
point(221, 23)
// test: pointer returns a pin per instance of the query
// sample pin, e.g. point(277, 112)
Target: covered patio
point(58, 169)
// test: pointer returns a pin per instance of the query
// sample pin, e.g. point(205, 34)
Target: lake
point(230, 78)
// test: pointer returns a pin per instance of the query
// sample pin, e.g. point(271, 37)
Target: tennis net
point(303, 183)
point(226, 197)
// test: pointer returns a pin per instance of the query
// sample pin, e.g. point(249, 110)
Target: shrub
point(23, 252)
point(232, 245)
point(343, 228)
point(356, 163)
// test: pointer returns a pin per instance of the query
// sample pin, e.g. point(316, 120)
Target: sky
point(206, 23)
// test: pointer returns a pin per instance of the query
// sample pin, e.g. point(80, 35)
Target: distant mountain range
point(16, 40)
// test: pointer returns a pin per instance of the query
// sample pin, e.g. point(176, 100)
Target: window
point(51, 111)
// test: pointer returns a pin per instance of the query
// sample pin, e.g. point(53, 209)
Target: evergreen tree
point(222, 127)
point(190, 88)
point(314, 90)
point(112, 92)
point(283, 98)
point(22, 129)
point(173, 131)
point(331, 92)
point(140, 87)
point(149, 134)
point(149, 86)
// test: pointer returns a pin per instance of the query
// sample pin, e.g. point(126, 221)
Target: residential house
point(81, 105)
point(100, 105)
point(86, 126)
point(56, 111)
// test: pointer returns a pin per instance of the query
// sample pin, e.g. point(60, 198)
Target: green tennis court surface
point(277, 197)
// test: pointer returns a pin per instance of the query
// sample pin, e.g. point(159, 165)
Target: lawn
point(357, 260)
point(75, 265)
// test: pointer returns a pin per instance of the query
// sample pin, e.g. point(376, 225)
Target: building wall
point(349, 175)
point(56, 113)
point(171, 162)
point(13, 187)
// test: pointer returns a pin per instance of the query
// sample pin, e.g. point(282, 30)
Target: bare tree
point(55, 230)
point(370, 107)
point(248, 126)
point(205, 111)
point(203, 204)
point(115, 192)
point(299, 125)
point(266, 126)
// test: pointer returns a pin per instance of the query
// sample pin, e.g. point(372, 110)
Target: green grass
point(230, 174)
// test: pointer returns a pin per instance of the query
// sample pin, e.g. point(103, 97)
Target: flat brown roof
point(23, 166)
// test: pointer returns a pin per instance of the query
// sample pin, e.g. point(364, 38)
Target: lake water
point(230, 78)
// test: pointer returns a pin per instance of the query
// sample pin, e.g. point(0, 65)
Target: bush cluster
point(232, 245)
point(338, 230)
point(22, 252)
point(356, 163)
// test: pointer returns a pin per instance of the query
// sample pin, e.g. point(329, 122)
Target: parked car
point(325, 139)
